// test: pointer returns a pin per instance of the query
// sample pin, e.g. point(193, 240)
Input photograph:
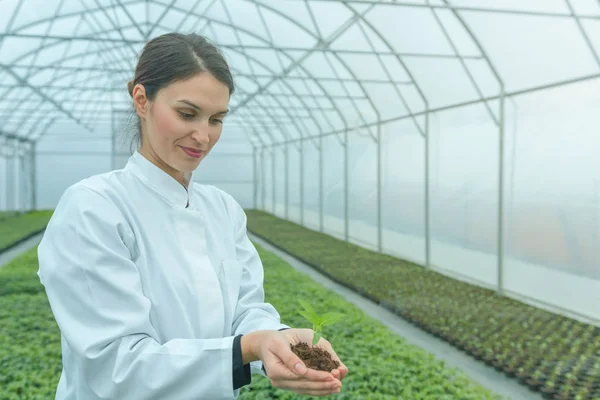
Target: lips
point(190, 151)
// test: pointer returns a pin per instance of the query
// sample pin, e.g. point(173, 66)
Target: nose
point(200, 134)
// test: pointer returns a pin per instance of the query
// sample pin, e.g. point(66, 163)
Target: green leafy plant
point(319, 321)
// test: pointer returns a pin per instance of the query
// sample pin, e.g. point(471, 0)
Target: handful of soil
point(315, 357)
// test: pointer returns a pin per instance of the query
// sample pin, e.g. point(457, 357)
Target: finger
point(304, 386)
point(283, 363)
point(320, 392)
point(294, 364)
point(342, 369)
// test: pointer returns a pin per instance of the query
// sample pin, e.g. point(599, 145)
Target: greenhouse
point(424, 173)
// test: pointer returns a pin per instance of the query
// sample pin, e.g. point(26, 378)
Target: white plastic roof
point(302, 68)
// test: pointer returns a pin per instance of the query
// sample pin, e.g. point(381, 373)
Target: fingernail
point(300, 368)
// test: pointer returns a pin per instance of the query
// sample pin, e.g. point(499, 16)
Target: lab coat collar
point(160, 181)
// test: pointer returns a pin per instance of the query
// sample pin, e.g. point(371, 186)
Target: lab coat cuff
point(242, 375)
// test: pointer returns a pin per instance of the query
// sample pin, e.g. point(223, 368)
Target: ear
point(140, 101)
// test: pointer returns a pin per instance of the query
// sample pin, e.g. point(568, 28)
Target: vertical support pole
point(346, 186)
point(427, 194)
point(7, 177)
point(264, 179)
point(22, 180)
point(18, 172)
point(302, 182)
point(10, 179)
point(273, 191)
point(254, 179)
point(34, 175)
point(286, 179)
point(379, 194)
point(501, 196)
point(113, 141)
point(321, 184)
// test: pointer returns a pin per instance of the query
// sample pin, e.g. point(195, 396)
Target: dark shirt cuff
point(241, 373)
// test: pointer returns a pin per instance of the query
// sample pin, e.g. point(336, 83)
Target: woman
point(151, 277)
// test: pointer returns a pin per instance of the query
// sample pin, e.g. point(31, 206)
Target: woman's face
point(183, 123)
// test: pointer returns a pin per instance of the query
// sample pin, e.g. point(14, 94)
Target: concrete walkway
point(478, 371)
point(21, 248)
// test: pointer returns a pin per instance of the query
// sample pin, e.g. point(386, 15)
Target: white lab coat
point(149, 294)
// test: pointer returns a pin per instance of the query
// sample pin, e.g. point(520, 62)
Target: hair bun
point(130, 88)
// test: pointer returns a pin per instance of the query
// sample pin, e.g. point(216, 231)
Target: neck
point(182, 178)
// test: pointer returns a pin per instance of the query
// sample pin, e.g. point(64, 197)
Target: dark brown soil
point(315, 357)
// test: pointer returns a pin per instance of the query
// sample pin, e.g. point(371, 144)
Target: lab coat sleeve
point(95, 293)
point(252, 312)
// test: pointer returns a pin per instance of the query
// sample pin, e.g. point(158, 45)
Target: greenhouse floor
point(21, 248)
point(478, 371)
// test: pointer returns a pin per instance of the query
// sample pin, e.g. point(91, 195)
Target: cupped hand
point(296, 336)
point(286, 370)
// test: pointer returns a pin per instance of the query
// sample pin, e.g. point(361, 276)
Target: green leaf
point(312, 314)
point(332, 318)
point(307, 316)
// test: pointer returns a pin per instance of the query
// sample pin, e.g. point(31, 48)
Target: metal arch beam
point(297, 62)
point(464, 8)
point(294, 121)
point(237, 28)
point(462, 62)
point(319, 38)
point(116, 27)
point(91, 19)
point(476, 41)
point(251, 47)
point(406, 69)
point(43, 130)
point(159, 19)
point(42, 94)
point(30, 72)
point(583, 32)
point(278, 53)
point(247, 58)
point(105, 89)
point(341, 115)
point(101, 54)
point(218, 22)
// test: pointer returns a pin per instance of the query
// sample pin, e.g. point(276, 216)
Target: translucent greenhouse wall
point(551, 202)
point(65, 156)
point(16, 164)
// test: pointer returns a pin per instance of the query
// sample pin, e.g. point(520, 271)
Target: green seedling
point(319, 321)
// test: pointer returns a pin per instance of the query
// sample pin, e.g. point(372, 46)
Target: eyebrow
point(189, 103)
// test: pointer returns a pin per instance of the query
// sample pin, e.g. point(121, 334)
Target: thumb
point(290, 359)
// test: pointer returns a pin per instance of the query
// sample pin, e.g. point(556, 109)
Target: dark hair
point(173, 57)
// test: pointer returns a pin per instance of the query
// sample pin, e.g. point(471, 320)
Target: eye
point(217, 121)
point(186, 116)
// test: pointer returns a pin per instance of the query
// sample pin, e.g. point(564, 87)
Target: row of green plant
point(381, 364)
point(558, 356)
point(7, 214)
point(20, 227)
